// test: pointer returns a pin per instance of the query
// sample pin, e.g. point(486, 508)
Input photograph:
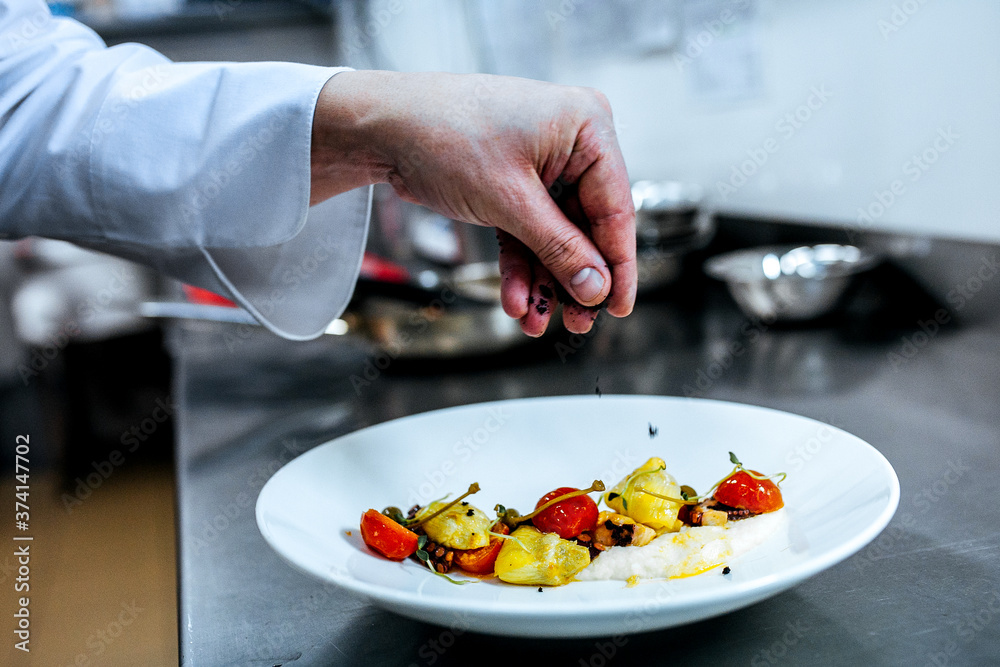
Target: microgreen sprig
point(422, 554)
point(694, 500)
point(629, 483)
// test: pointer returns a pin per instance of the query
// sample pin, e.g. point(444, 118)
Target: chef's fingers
point(565, 249)
point(515, 275)
point(541, 302)
point(578, 319)
point(606, 199)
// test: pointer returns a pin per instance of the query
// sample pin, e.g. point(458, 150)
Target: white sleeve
point(201, 170)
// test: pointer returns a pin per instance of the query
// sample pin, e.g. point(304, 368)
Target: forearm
point(345, 151)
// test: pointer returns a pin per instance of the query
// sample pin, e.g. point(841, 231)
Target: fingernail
point(587, 284)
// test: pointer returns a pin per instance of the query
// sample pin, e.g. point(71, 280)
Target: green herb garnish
point(426, 558)
point(689, 499)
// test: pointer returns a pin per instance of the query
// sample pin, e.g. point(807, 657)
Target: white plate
point(839, 494)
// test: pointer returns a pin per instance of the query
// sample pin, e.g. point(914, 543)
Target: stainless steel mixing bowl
point(787, 282)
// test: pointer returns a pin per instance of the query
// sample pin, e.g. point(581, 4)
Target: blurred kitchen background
point(747, 122)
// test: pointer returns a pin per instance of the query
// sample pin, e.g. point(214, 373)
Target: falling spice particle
point(726, 570)
point(653, 431)
point(348, 533)
point(597, 387)
point(539, 589)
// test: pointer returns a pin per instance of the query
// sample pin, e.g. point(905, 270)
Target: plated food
point(652, 528)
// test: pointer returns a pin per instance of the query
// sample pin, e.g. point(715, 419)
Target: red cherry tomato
point(744, 492)
point(568, 518)
point(481, 560)
point(386, 536)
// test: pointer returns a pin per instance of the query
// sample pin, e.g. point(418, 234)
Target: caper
point(395, 514)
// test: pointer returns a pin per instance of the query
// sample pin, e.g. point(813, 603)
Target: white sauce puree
point(692, 550)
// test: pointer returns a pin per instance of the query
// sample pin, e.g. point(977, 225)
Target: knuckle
point(559, 252)
point(598, 98)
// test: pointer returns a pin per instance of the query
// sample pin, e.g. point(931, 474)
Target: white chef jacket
point(201, 170)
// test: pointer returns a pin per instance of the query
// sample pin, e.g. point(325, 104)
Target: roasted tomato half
point(745, 492)
point(386, 536)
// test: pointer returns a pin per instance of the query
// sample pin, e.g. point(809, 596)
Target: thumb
point(565, 249)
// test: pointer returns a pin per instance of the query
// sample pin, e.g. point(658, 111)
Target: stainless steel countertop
point(926, 592)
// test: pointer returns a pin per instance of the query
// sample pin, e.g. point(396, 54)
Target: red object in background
point(373, 268)
point(204, 297)
point(382, 270)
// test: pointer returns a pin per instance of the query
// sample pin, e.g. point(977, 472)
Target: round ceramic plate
point(839, 494)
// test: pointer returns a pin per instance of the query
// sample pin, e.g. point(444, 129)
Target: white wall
point(892, 94)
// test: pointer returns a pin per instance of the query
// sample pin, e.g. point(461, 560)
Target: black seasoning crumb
point(726, 570)
point(531, 299)
point(539, 589)
point(653, 430)
point(464, 503)
point(546, 291)
point(471, 512)
point(542, 307)
point(597, 387)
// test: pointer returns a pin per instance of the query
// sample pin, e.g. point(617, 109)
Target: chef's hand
point(487, 150)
